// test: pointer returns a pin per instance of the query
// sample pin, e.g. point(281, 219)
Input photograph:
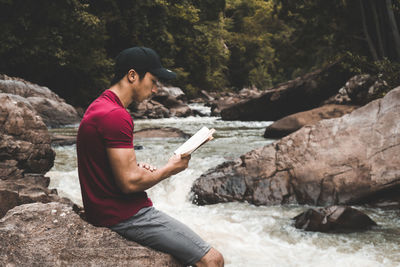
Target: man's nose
point(155, 88)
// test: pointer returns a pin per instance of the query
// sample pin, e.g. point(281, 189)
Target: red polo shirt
point(106, 123)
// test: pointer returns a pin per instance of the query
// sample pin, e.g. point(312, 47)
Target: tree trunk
point(377, 23)
point(394, 28)
point(367, 37)
point(383, 27)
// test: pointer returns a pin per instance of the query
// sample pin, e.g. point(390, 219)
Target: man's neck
point(123, 93)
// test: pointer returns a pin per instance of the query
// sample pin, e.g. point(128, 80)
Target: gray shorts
point(155, 229)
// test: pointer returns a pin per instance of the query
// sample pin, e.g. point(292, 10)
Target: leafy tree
point(324, 30)
point(68, 45)
point(254, 33)
point(54, 43)
point(187, 35)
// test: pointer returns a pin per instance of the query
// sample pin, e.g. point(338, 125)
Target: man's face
point(147, 86)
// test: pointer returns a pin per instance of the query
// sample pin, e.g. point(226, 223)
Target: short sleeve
point(117, 129)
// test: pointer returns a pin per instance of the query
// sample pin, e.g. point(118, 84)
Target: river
point(247, 235)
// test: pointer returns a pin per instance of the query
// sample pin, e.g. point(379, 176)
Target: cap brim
point(163, 73)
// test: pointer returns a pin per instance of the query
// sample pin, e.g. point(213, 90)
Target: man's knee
point(212, 258)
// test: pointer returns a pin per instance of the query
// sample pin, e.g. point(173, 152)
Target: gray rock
point(359, 90)
point(300, 94)
point(53, 234)
point(206, 95)
point(292, 123)
point(175, 92)
point(54, 113)
point(166, 103)
point(333, 219)
point(225, 100)
point(30, 189)
point(149, 109)
point(346, 160)
point(25, 145)
point(181, 111)
point(52, 108)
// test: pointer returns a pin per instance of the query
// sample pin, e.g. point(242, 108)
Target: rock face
point(53, 109)
point(175, 92)
point(359, 90)
point(333, 219)
point(30, 189)
point(25, 145)
point(166, 103)
point(300, 94)
point(175, 106)
point(351, 159)
point(292, 123)
point(224, 100)
point(149, 109)
point(54, 235)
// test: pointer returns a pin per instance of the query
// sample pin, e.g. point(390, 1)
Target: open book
point(197, 140)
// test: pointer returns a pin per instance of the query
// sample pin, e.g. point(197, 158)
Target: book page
point(194, 142)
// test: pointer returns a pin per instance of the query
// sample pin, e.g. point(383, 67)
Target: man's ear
point(132, 75)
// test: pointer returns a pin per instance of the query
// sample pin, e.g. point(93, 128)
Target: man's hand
point(178, 163)
point(147, 167)
point(133, 177)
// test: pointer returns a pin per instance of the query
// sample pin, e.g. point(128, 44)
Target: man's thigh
point(153, 228)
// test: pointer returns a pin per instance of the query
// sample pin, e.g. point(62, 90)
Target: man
point(113, 184)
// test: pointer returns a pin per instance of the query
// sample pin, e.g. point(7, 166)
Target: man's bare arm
point(133, 178)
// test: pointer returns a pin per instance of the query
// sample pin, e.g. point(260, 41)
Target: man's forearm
point(144, 179)
point(133, 178)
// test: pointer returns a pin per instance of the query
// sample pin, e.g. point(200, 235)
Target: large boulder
point(292, 123)
point(53, 234)
point(176, 107)
point(167, 102)
point(300, 94)
point(333, 219)
point(181, 110)
point(25, 145)
point(223, 100)
point(30, 189)
point(149, 109)
point(346, 160)
point(52, 108)
point(359, 90)
point(175, 92)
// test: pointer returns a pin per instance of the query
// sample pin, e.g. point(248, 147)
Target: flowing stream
point(245, 234)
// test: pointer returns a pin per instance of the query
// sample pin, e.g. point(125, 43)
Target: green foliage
point(69, 45)
point(324, 30)
point(250, 31)
point(186, 34)
point(385, 70)
point(316, 35)
point(54, 43)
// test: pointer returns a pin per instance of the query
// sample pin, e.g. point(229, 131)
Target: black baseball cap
point(142, 59)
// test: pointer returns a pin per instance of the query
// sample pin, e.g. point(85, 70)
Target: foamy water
point(246, 235)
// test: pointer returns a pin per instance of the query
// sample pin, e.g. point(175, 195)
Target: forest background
point(213, 45)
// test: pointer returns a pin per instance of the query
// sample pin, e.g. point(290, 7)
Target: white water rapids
point(245, 234)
